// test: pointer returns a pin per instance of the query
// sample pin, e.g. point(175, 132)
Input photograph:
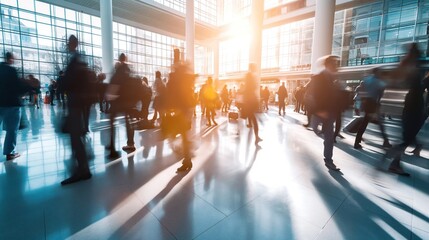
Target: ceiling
point(143, 15)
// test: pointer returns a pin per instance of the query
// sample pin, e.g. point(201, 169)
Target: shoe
point(340, 136)
point(129, 148)
point(399, 171)
point(306, 125)
point(215, 123)
point(417, 150)
point(184, 168)
point(12, 156)
point(386, 144)
point(257, 140)
point(357, 146)
point(208, 125)
point(331, 166)
point(76, 178)
point(114, 155)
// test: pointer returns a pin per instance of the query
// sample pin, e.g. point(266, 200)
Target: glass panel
point(9, 2)
point(59, 12)
point(70, 15)
point(27, 5)
point(42, 7)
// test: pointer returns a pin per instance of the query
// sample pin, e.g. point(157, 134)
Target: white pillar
point(190, 32)
point(216, 59)
point(323, 32)
point(255, 51)
point(107, 37)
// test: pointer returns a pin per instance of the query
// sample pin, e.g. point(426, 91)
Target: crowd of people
point(174, 99)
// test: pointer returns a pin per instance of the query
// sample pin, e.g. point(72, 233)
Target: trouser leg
point(11, 118)
point(328, 143)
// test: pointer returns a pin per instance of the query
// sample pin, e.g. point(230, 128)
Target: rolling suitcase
point(353, 125)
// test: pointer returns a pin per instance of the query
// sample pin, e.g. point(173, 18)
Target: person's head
point(30, 76)
point(209, 80)
point(9, 57)
point(158, 74)
point(283, 84)
point(72, 43)
point(331, 63)
point(145, 80)
point(377, 72)
point(61, 73)
point(122, 58)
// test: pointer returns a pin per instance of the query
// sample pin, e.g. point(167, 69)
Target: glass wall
point(36, 33)
point(205, 10)
point(234, 55)
point(370, 34)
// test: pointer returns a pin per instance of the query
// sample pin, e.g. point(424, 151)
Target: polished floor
point(236, 190)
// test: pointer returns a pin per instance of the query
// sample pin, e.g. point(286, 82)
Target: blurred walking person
point(282, 94)
point(158, 101)
point(413, 114)
point(371, 91)
point(321, 95)
point(180, 101)
point(250, 100)
point(76, 84)
point(11, 90)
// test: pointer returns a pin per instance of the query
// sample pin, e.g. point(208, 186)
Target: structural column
point(107, 37)
point(216, 59)
point(190, 32)
point(323, 32)
point(255, 51)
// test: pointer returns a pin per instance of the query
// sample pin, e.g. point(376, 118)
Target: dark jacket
point(282, 92)
point(323, 91)
point(11, 87)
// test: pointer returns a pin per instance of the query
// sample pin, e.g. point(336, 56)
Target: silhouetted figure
point(127, 91)
point(323, 94)
point(159, 100)
point(371, 91)
point(52, 89)
point(60, 91)
point(224, 95)
point(76, 84)
point(11, 90)
point(180, 102)
point(250, 100)
point(413, 113)
point(146, 97)
point(265, 98)
point(210, 98)
point(282, 94)
point(36, 90)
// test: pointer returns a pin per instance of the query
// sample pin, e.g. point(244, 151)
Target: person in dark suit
point(75, 83)
point(282, 93)
point(323, 92)
point(128, 89)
